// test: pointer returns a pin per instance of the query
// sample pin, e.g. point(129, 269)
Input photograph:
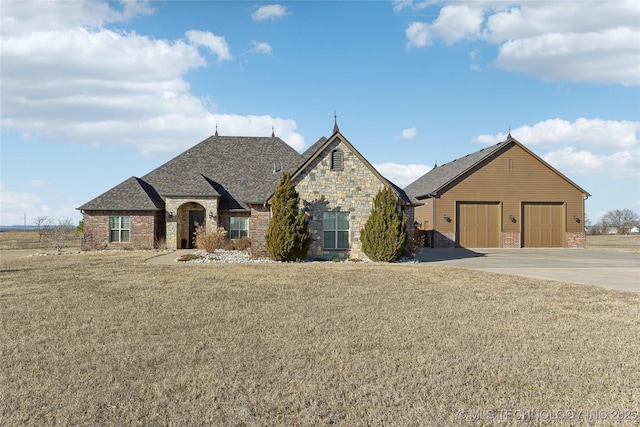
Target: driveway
point(609, 269)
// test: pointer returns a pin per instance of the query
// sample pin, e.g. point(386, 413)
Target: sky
point(94, 92)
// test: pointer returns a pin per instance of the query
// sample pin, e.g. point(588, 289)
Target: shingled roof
point(429, 184)
point(133, 194)
point(241, 170)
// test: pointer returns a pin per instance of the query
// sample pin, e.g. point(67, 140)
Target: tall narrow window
point(119, 229)
point(336, 160)
point(238, 227)
point(336, 230)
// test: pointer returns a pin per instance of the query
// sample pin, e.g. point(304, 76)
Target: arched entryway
point(190, 216)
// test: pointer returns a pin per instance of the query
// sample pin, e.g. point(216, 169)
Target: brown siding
point(512, 178)
point(142, 234)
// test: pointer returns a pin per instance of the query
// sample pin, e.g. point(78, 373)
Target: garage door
point(543, 225)
point(478, 225)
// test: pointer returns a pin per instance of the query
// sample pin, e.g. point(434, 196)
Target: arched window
point(336, 160)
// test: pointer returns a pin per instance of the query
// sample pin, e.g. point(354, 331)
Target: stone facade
point(177, 217)
point(143, 230)
point(349, 189)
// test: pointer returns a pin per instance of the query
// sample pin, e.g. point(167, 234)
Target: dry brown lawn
point(105, 339)
point(30, 239)
point(628, 243)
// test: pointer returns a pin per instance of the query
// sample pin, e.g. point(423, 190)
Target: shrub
point(242, 244)
point(384, 235)
point(210, 241)
point(288, 237)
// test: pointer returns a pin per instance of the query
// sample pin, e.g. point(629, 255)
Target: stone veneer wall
point(172, 204)
point(576, 240)
point(141, 235)
point(351, 189)
point(510, 240)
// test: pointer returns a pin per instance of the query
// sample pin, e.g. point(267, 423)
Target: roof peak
point(336, 129)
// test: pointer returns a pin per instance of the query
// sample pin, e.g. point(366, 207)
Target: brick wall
point(258, 224)
point(141, 236)
point(510, 240)
point(576, 240)
point(444, 240)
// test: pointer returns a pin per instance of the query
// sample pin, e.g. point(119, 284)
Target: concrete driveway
point(609, 269)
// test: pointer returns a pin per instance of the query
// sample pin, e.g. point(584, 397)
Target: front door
point(196, 218)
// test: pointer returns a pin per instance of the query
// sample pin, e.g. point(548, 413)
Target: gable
point(528, 172)
point(511, 172)
point(239, 168)
point(352, 168)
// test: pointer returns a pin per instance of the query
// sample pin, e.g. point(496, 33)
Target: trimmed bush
point(384, 235)
point(288, 237)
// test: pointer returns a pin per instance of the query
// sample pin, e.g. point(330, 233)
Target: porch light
point(171, 213)
point(512, 218)
point(213, 216)
point(576, 218)
point(416, 224)
point(447, 218)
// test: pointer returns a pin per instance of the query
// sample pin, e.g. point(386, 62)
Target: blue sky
point(93, 93)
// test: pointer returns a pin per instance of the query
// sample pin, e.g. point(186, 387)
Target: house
point(503, 196)
point(228, 181)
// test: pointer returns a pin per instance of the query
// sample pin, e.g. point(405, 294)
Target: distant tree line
point(618, 221)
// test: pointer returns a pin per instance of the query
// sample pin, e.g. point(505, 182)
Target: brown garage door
point(478, 225)
point(543, 225)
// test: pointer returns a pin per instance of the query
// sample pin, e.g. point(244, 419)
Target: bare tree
point(57, 236)
point(623, 220)
point(42, 223)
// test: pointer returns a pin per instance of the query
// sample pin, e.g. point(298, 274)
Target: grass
point(628, 243)
point(105, 339)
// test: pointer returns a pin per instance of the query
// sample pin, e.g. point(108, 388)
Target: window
point(336, 230)
point(119, 229)
point(336, 160)
point(239, 227)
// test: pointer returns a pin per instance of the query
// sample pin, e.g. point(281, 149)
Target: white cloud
point(398, 5)
point(216, 44)
point(621, 164)
point(66, 82)
point(409, 133)
point(271, 11)
point(402, 175)
point(561, 41)
point(39, 183)
point(261, 47)
point(586, 146)
point(15, 205)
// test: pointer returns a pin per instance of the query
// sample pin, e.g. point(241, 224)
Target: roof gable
point(322, 145)
point(133, 194)
point(239, 168)
point(440, 177)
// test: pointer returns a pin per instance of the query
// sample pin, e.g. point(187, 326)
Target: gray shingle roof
point(133, 194)
point(311, 150)
point(440, 176)
point(437, 178)
point(239, 169)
